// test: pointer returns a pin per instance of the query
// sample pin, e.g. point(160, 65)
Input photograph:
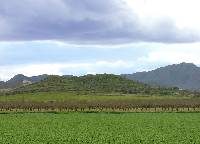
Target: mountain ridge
point(20, 80)
point(183, 75)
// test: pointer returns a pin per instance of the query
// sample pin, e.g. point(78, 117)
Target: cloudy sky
point(96, 36)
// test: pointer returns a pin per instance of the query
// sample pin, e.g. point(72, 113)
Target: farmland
point(101, 92)
point(62, 101)
point(98, 109)
point(64, 96)
point(102, 128)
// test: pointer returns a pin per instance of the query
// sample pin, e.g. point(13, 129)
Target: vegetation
point(64, 96)
point(103, 92)
point(42, 112)
point(100, 128)
point(62, 101)
point(97, 84)
point(20, 80)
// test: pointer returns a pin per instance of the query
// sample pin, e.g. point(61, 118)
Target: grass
point(62, 96)
point(166, 128)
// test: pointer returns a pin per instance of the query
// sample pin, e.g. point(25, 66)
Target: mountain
point(94, 84)
point(2, 84)
point(20, 80)
point(38, 78)
point(184, 76)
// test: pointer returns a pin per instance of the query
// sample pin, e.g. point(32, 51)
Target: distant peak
point(19, 75)
point(187, 64)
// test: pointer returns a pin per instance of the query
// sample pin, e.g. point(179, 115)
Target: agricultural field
point(64, 96)
point(100, 128)
point(65, 102)
point(101, 92)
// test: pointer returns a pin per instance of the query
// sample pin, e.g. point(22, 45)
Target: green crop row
point(100, 128)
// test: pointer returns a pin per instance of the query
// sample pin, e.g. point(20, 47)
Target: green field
point(63, 96)
point(65, 102)
point(133, 128)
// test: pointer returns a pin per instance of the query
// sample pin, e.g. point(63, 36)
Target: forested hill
point(95, 84)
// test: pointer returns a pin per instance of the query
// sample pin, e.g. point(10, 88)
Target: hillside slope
point(184, 76)
point(95, 84)
point(20, 80)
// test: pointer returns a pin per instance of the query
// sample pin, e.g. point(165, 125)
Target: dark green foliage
point(86, 84)
point(96, 84)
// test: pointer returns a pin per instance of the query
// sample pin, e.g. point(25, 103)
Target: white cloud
point(173, 53)
point(171, 57)
point(185, 13)
point(116, 64)
point(65, 68)
point(156, 55)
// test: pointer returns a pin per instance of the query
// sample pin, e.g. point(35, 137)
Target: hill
point(95, 84)
point(184, 76)
point(20, 80)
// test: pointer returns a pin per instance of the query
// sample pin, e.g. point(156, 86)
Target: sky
point(79, 37)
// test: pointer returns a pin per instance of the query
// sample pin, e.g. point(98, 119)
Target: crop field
point(67, 102)
point(174, 128)
point(63, 96)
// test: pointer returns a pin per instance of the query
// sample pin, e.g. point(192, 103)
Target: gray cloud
point(83, 21)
